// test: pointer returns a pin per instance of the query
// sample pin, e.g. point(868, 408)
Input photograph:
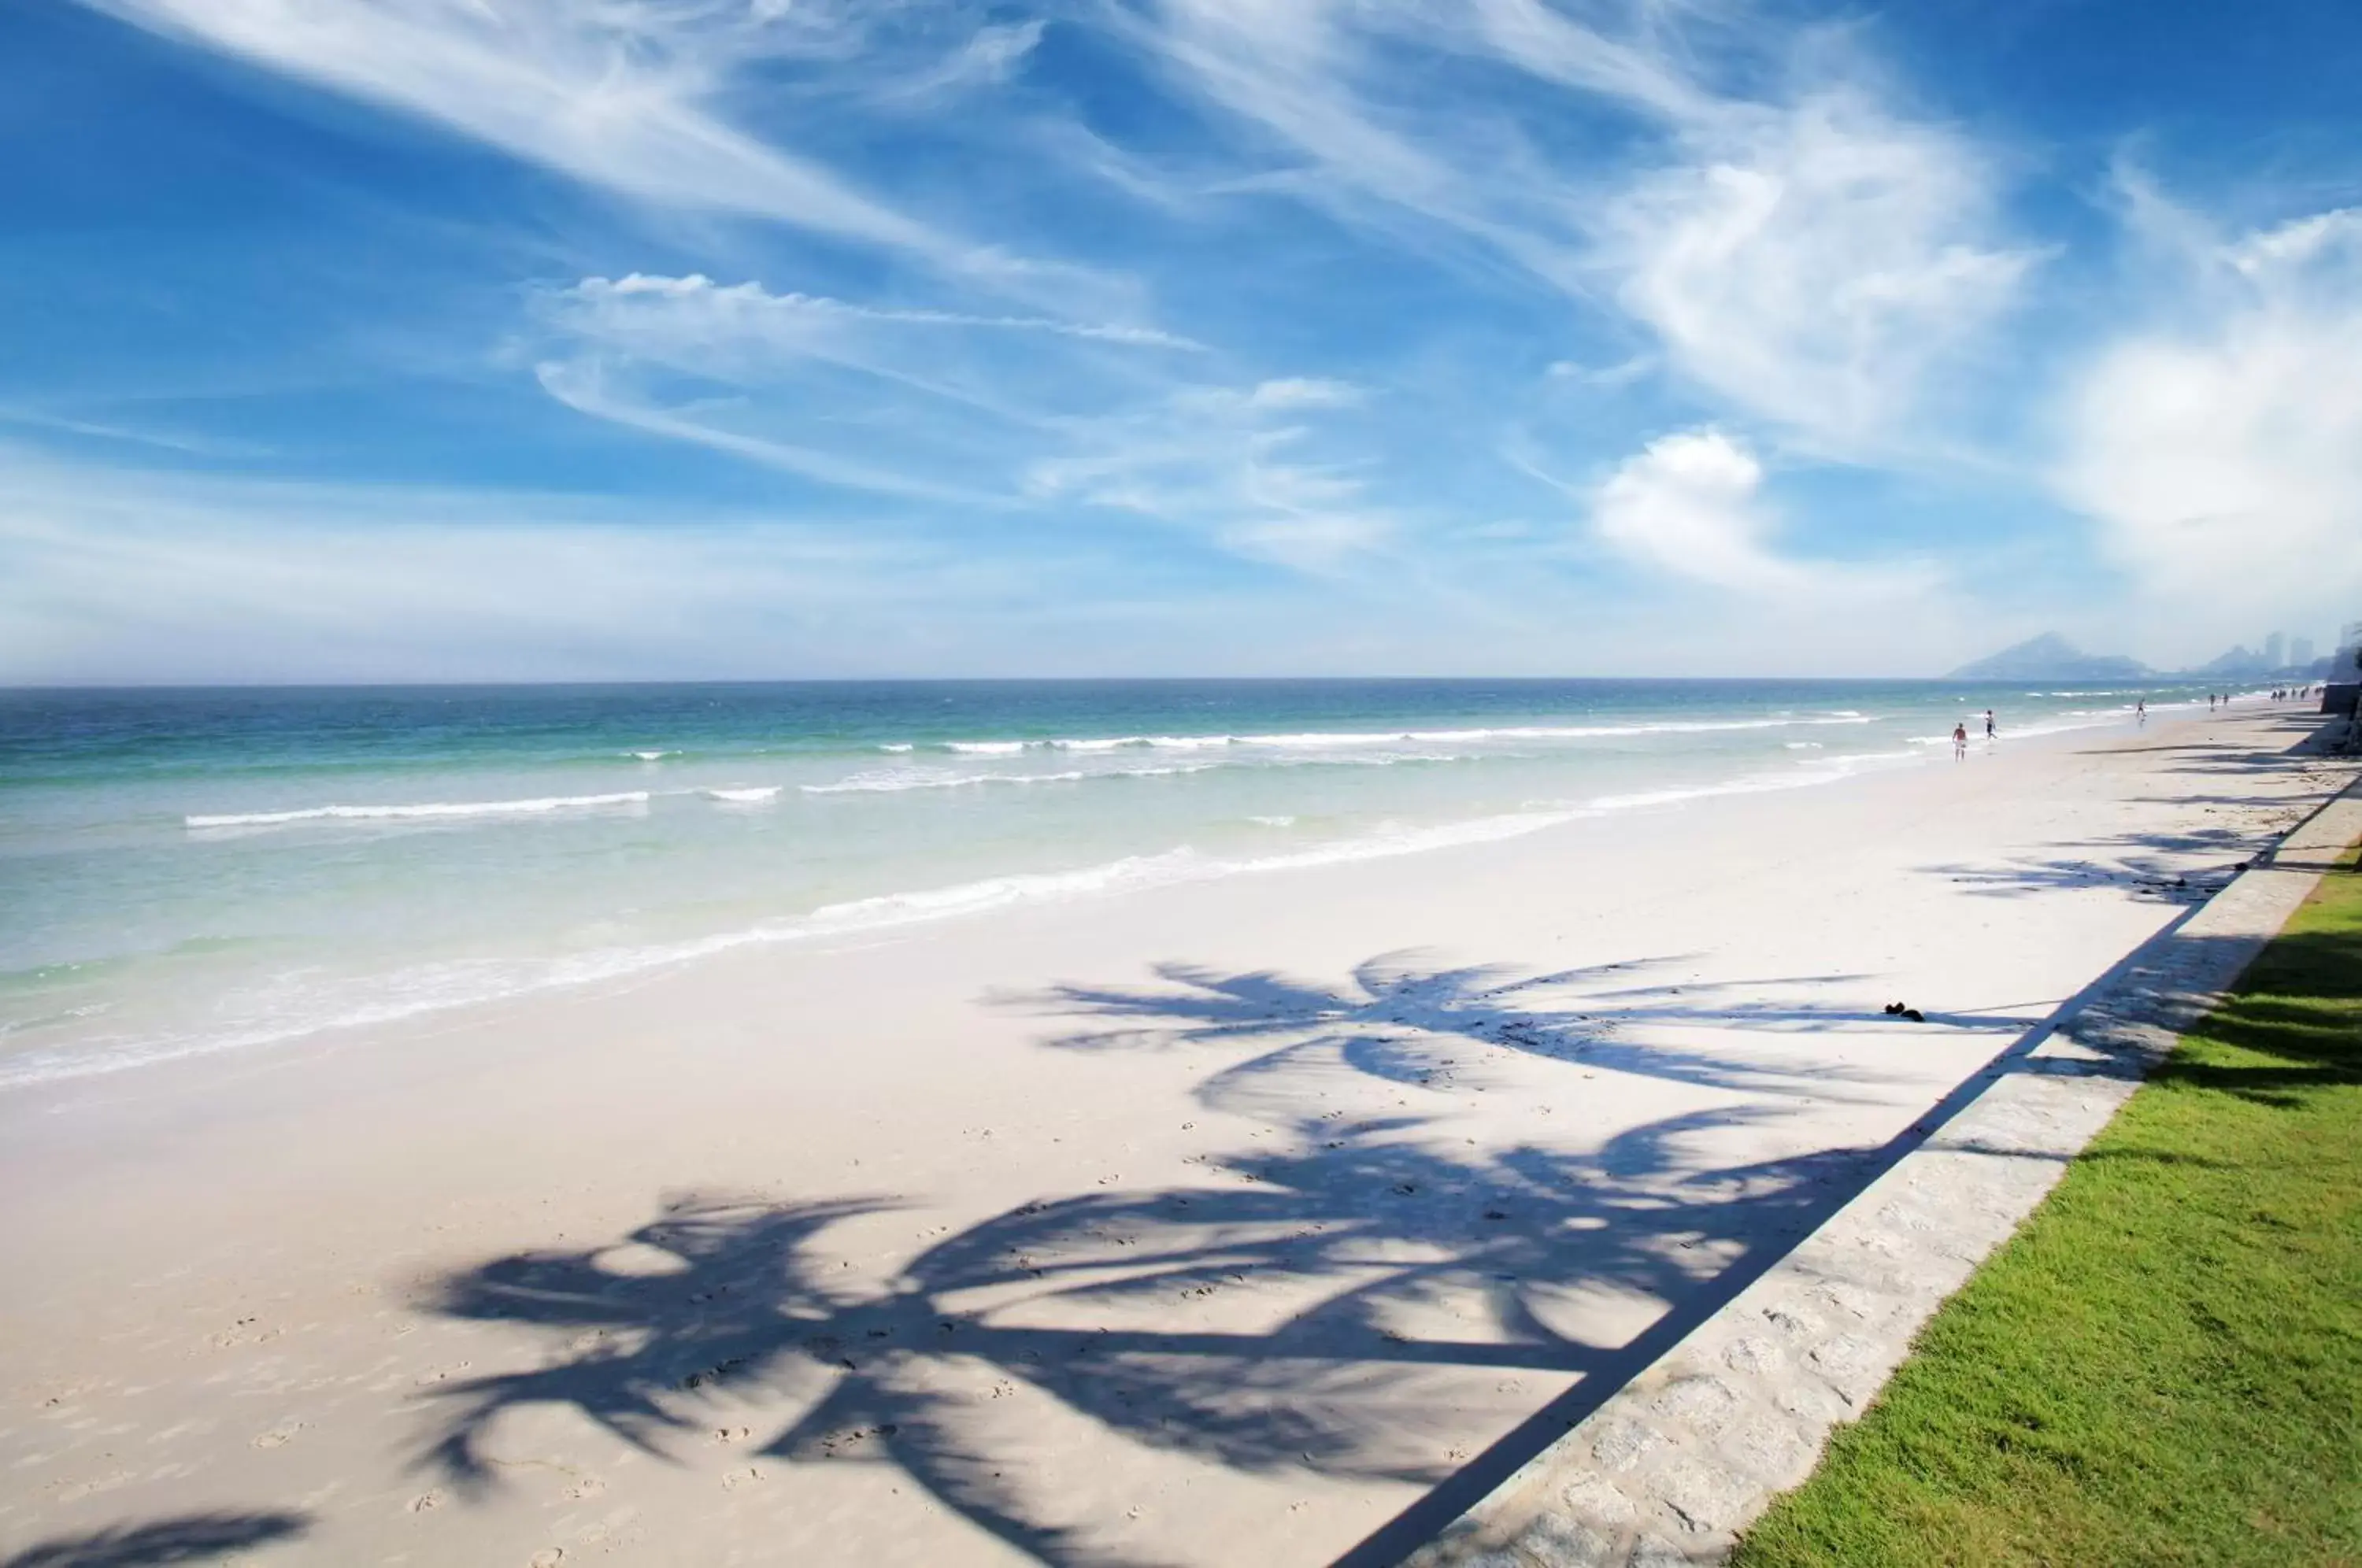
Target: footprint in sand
point(236, 1334)
point(278, 1436)
point(74, 1491)
point(588, 1486)
point(426, 1501)
point(547, 1557)
point(738, 1478)
point(732, 1434)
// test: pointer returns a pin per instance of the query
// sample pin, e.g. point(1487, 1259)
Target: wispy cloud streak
point(1811, 259)
point(617, 95)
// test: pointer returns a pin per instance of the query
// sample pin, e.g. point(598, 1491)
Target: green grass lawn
point(2165, 1366)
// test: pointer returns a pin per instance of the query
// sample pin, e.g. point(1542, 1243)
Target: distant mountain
point(2051, 658)
point(2237, 662)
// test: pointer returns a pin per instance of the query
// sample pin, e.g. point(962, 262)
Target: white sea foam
point(430, 809)
point(896, 746)
point(1318, 740)
point(753, 795)
point(653, 756)
point(1755, 784)
point(896, 780)
point(1315, 740)
point(999, 892)
point(1848, 758)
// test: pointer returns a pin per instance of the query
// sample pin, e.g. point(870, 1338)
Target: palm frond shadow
point(1410, 1021)
point(2152, 866)
point(190, 1538)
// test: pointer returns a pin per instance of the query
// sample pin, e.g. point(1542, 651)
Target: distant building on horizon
point(2275, 651)
point(2341, 663)
point(2300, 654)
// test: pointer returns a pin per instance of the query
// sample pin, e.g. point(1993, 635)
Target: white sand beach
point(1214, 1224)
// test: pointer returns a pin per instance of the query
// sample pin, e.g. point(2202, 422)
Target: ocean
point(191, 871)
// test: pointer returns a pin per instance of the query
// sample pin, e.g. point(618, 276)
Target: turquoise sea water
point(199, 870)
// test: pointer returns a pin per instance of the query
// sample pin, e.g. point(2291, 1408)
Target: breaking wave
point(430, 809)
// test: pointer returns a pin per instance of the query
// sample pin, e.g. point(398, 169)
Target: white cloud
point(583, 386)
point(137, 436)
point(2220, 445)
point(1091, 413)
point(1688, 504)
point(1608, 378)
point(993, 54)
point(1691, 506)
point(1293, 70)
point(618, 93)
point(1816, 265)
point(696, 309)
point(1302, 392)
point(1317, 541)
point(1220, 461)
point(1814, 258)
point(825, 387)
point(838, 376)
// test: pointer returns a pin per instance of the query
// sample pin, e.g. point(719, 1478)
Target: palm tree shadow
point(1384, 1268)
point(1339, 1385)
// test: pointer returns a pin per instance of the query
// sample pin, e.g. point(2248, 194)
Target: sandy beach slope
point(1213, 1224)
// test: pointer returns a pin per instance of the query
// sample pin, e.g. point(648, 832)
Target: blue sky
point(357, 339)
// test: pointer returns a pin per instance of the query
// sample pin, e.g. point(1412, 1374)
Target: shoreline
point(1650, 1043)
point(498, 982)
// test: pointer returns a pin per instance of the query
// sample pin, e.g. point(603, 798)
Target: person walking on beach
point(2140, 710)
point(1989, 724)
point(1960, 742)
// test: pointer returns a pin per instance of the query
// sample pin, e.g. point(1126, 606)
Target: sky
point(606, 340)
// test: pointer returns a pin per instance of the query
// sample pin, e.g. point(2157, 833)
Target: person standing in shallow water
point(1960, 742)
point(1989, 724)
